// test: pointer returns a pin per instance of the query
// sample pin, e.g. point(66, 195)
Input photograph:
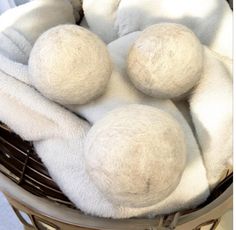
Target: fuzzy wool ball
point(135, 155)
point(165, 61)
point(69, 65)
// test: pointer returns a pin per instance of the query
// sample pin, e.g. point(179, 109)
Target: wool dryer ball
point(166, 60)
point(69, 65)
point(147, 158)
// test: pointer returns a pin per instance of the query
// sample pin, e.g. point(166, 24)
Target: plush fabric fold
point(210, 20)
point(14, 45)
point(211, 108)
point(8, 4)
point(14, 54)
point(35, 17)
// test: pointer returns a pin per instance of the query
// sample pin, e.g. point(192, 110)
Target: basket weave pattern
point(19, 162)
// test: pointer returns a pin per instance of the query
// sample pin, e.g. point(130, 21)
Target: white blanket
point(211, 20)
point(211, 108)
point(8, 4)
point(35, 17)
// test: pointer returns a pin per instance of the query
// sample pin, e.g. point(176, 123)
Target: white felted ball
point(136, 155)
point(165, 61)
point(69, 65)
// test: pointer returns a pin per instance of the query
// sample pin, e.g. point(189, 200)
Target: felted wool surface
point(210, 20)
point(33, 18)
point(70, 65)
point(211, 109)
point(165, 61)
point(147, 158)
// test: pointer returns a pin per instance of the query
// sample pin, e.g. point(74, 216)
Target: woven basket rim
point(18, 147)
point(211, 212)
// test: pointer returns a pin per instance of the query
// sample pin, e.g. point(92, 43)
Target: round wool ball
point(165, 61)
point(69, 65)
point(135, 155)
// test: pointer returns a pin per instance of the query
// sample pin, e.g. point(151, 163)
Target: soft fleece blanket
point(211, 20)
point(58, 137)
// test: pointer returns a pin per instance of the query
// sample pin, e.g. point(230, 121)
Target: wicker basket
point(25, 173)
point(19, 162)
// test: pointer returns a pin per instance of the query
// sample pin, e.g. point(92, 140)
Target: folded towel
point(14, 69)
point(210, 20)
point(101, 16)
point(22, 25)
point(14, 46)
point(227, 62)
point(14, 54)
point(35, 17)
point(37, 117)
point(8, 4)
point(211, 109)
point(5, 5)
